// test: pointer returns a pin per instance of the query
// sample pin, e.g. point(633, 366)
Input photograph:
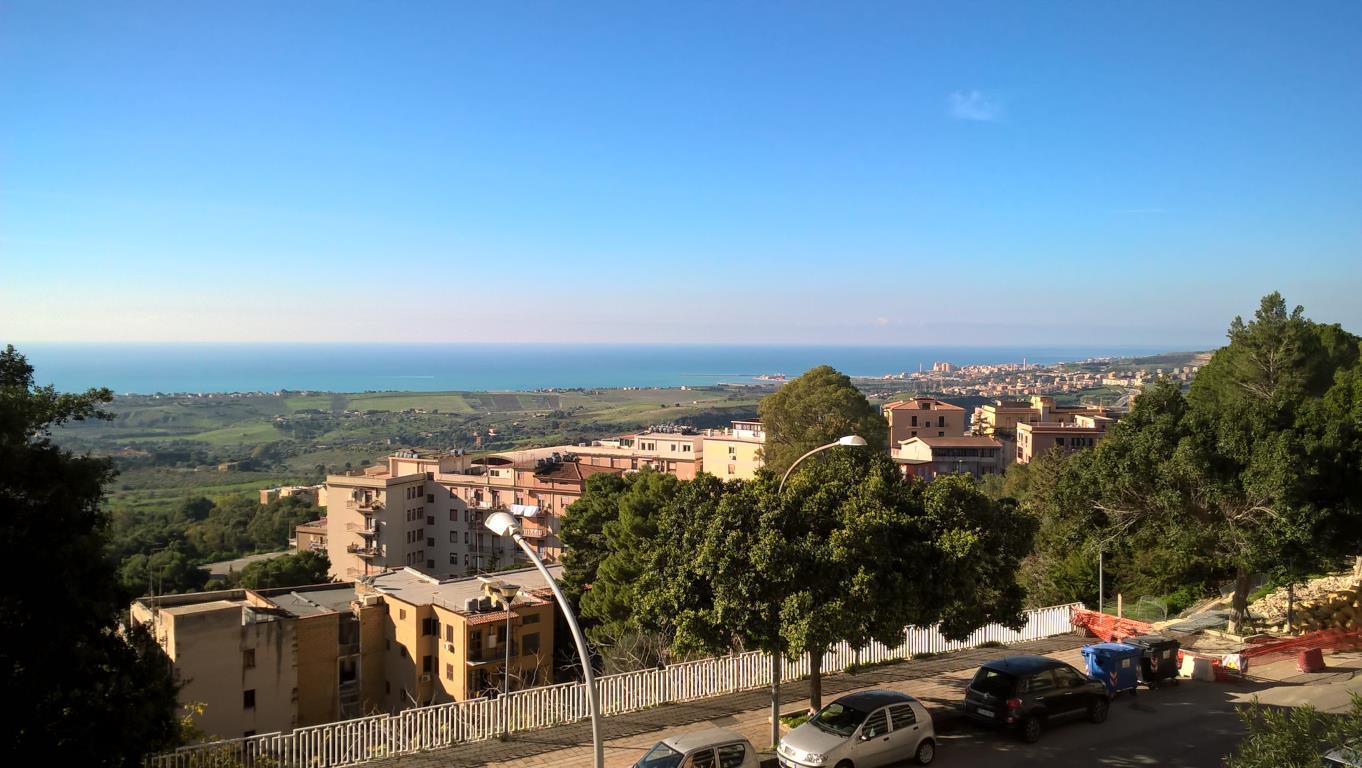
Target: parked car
point(865, 730)
point(1031, 692)
point(711, 748)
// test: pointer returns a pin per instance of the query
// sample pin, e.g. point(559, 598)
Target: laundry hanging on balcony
point(525, 510)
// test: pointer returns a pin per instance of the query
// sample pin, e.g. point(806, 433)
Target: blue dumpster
point(1116, 665)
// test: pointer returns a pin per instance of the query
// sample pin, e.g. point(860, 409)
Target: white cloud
point(976, 106)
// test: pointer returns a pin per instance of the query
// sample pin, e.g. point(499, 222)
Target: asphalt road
point(1193, 724)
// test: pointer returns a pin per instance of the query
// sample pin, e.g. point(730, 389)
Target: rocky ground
point(1272, 609)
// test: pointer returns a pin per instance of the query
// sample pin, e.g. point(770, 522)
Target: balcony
point(481, 656)
point(363, 529)
point(362, 550)
point(534, 530)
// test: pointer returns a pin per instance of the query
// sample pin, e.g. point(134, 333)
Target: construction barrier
point(1324, 640)
point(1108, 627)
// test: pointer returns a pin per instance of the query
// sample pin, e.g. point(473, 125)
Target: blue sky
point(868, 173)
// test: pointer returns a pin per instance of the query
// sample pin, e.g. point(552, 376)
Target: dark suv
point(1028, 692)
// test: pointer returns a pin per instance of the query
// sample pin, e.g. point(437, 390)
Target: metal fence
point(444, 725)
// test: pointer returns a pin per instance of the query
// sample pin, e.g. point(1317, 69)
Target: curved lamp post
point(504, 524)
point(850, 441)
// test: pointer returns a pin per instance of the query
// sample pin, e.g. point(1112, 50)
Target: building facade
point(426, 510)
point(923, 417)
point(927, 457)
point(1082, 431)
point(734, 453)
point(447, 641)
point(1001, 418)
point(266, 660)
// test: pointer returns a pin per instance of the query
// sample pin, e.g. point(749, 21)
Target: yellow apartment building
point(923, 417)
point(1004, 416)
point(734, 453)
point(268, 660)
point(446, 641)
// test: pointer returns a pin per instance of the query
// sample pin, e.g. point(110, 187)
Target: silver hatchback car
point(866, 729)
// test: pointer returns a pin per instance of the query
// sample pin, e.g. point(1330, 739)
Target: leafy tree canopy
point(815, 409)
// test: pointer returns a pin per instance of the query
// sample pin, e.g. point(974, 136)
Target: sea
point(140, 368)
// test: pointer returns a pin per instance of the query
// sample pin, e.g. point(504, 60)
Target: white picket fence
point(444, 725)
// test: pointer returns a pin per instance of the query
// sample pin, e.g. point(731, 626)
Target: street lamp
point(849, 441)
point(505, 593)
point(504, 524)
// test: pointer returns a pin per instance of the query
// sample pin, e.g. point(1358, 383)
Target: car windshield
point(993, 682)
point(660, 756)
point(838, 718)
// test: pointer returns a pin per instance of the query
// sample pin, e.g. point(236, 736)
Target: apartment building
point(927, 457)
point(1004, 416)
point(445, 640)
point(734, 453)
point(426, 510)
point(310, 536)
point(674, 451)
point(1083, 431)
point(269, 660)
point(315, 494)
point(923, 417)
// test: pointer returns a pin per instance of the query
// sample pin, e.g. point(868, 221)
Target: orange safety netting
point(1108, 627)
point(1286, 648)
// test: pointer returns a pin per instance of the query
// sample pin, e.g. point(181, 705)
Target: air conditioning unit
point(425, 678)
point(471, 604)
point(369, 601)
point(449, 647)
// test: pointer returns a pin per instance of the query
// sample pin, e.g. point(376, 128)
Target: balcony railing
point(533, 531)
point(361, 550)
point(364, 529)
point(491, 655)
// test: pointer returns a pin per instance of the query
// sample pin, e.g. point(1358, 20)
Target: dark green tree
point(295, 570)
point(1294, 737)
point(92, 695)
point(583, 531)
point(816, 409)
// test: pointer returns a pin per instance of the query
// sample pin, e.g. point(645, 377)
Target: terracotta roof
point(569, 470)
point(916, 404)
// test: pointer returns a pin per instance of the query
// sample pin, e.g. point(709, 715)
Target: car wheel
point(1097, 710)
point(926, 752)
point(1030, 730)
point(845, 764)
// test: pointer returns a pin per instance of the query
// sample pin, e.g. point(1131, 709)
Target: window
point(430, 564)
point(248, 659)
point(465, 538)
point(426, 664)
point(914, 422)
point(940, 434)
point(401, 614)
point(732, 451)
point(449, 633)
point(453, 537)
point(430, 627)
point(1059, 441)
point(902, 715)
point(875, 725)
point(530, 618)
point(529, 644)
point(430, 498)
point(941, 421)
point(430, 519)
point(732, 755)
point(430, 541)
point(449, 671)
point(1067, 678)
point(453, 558)
point(248, 699)
point(703, 759)
point(1040, 682)
point(914, 433)
point(732, 469)
point(453, 518)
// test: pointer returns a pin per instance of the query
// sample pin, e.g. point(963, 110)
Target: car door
point(734, 755)
point(907, 730)
point(1042, 690)
point(872, 746)
point(1074, 687)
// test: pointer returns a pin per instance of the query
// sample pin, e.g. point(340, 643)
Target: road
point(1193, 724)
point(224, 567)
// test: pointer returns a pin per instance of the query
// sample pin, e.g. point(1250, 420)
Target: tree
point(92, 695)
point(1293, 737)
point(850, 553)
point(583, 531)
point(1242, 467)
point(816, 409)
point(295, 570)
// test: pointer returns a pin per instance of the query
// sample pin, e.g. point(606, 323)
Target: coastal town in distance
point(681, 385)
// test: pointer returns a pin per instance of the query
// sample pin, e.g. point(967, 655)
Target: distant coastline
point(350, 368)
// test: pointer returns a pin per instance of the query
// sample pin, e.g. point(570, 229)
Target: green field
point(170, 448)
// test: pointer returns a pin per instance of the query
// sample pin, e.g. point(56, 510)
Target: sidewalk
point(939, 682)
